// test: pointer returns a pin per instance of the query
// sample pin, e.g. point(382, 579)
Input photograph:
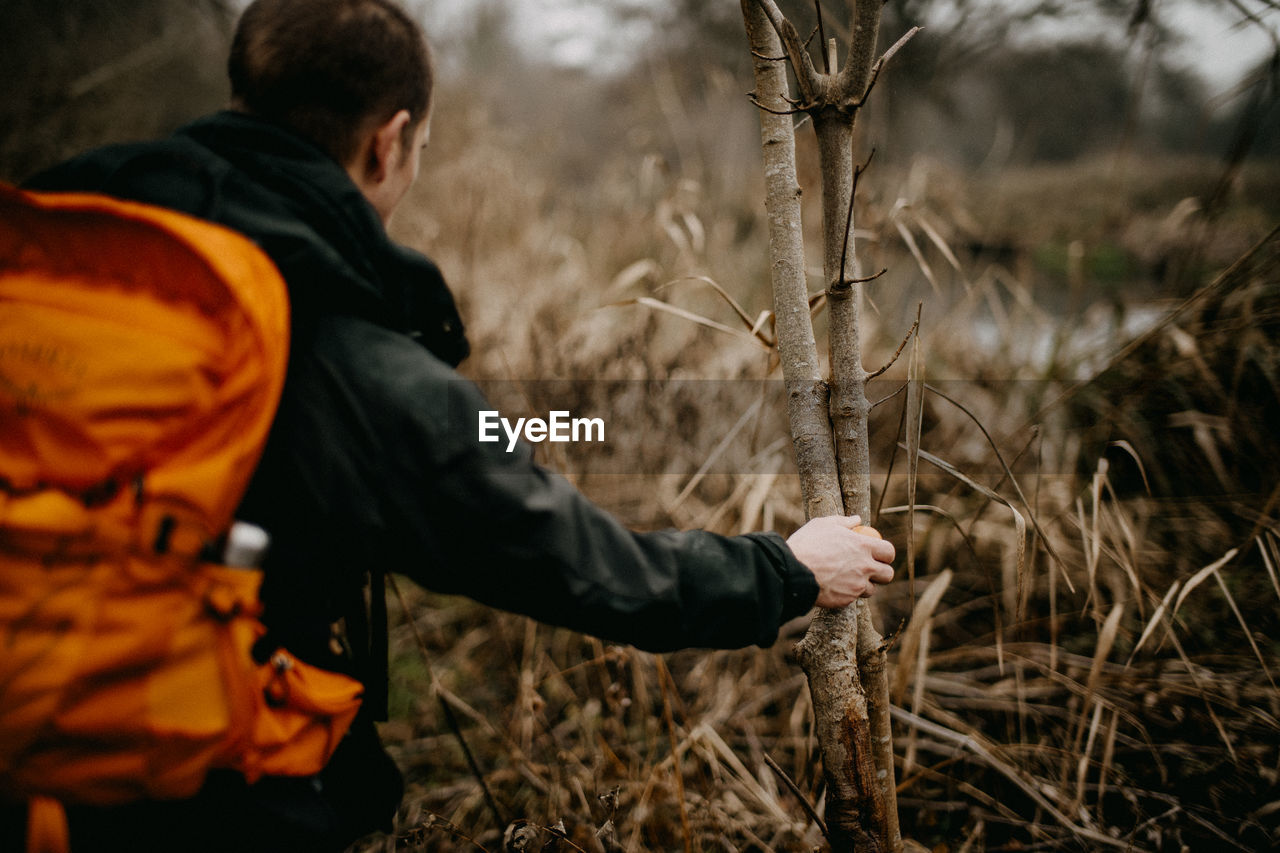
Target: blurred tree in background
point(984, 83)
point(1031, 81)
point(80, 73)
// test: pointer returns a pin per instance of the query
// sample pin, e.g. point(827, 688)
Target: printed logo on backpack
point(142, 355)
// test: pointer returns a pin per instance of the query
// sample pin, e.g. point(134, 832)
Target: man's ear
point(383, 145)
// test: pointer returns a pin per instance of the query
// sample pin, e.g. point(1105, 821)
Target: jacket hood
point(298, 204)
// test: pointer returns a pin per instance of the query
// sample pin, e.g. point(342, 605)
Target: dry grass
point(1100, 675)
point(1111, 688)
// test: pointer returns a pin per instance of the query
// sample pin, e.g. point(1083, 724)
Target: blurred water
point(1083, 344)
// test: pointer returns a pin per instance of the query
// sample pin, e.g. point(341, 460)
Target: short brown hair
point(329, 69)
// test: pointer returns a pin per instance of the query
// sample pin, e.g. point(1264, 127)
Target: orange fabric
point(47, 830)
point(142, 355)
point(309, 710)
point(135, 339)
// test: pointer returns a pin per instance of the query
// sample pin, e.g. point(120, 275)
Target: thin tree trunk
point(842, 653)
point(801, 372)
point(849, 407)
point(857, 813)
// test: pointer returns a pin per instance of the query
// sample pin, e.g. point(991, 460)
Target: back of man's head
point(330, 69)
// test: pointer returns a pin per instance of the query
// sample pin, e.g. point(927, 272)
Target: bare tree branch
point(756, 101)
point(848, 220)
point(801, 63)
point(822, 37)
point(807, 393)
point(882, 62)
point(851, 81)
point(914, 327)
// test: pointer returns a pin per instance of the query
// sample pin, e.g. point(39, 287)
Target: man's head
point(353, 76)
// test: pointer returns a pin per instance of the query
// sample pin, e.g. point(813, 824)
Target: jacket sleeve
point(468, 517)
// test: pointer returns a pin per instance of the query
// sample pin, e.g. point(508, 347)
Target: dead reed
point(1084, 655)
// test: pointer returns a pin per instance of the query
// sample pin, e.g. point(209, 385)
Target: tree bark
point(849, 407)
point(807, 394)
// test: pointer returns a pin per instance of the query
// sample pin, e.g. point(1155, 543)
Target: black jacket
point(374, 459)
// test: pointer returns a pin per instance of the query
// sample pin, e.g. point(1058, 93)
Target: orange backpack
point(142, 355)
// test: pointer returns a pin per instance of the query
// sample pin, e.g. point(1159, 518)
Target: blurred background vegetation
point(1080, 197)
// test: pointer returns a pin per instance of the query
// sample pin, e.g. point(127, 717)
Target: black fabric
point(374, 459)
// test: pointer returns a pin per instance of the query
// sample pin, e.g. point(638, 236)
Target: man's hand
point(847, 559)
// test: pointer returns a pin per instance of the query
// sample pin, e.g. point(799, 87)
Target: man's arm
point(466, 517)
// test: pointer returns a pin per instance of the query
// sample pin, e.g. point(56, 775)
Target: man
point(374, 464)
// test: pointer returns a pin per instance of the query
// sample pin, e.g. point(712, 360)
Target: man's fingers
point(884, 551)
point(846, 568)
